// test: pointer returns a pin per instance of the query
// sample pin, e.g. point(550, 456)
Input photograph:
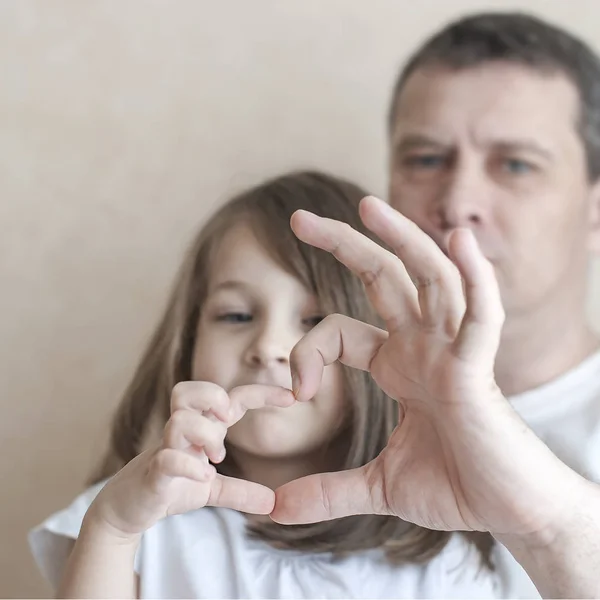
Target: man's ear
point(594, 219)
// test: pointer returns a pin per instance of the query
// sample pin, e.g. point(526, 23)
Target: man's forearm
point(566, 562)
point(100, 566)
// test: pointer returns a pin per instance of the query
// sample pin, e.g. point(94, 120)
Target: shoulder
point(67, 521)
point(52, 540)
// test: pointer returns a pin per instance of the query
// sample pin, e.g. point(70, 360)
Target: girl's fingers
point(201, 396)
point(241, 495)
point(187, 428)
point(250, 397)
point(168, 464)
point(336, 337)
point(202, 412)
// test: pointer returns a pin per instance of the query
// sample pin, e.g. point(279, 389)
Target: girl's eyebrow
point(231, 284)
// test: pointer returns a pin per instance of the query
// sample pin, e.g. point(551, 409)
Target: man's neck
point(537, 348)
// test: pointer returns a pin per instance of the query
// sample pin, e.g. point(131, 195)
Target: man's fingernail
point(295, 385)
point(472, 240)
point(385, 206)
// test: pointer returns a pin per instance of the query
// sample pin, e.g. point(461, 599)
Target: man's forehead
point(494, 100)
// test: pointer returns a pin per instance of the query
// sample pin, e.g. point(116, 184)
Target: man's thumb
point(323, 497)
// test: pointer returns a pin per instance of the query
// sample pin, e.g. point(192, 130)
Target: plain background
point(122, 124)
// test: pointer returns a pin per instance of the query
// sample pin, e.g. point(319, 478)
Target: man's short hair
point(521, 39)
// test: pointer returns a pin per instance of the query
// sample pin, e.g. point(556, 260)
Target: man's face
point(496, 149)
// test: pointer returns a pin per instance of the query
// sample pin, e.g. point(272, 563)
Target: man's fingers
point(337, 337)
point(247, 397)
point(324, 496)
point(388, 285)
point(480, 331)
point(438, 282)
point(241, 495)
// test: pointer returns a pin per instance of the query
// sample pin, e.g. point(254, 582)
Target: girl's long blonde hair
point(167, 360)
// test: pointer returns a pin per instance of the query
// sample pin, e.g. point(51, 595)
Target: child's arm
point(100, 565)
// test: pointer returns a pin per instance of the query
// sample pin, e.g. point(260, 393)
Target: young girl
point(216, 377)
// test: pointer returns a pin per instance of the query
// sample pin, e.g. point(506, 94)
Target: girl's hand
point(177, 477)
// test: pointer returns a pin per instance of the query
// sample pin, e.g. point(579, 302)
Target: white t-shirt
point(565, 414)
point(207, 554)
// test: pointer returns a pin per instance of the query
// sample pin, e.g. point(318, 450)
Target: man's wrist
point(563, 559)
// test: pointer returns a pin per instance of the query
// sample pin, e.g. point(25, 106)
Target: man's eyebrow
point(417, 140)
point(526, 145)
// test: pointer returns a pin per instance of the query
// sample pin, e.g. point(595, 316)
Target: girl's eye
point(235, 317)
point(312, 321)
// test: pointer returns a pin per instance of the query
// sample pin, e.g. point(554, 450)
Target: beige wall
point(122, 123)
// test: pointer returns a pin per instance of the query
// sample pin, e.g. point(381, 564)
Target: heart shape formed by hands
point(459, 451)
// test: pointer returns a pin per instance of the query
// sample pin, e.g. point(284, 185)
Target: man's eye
point(424, 161)
point(517, 166)
point(312, 321)
point(235, 317)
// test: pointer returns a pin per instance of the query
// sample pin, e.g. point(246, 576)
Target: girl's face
point(254, 314)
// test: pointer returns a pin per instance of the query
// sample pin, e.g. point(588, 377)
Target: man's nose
point(462, 199)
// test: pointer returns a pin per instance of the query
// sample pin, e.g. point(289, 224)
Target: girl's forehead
point(239, 250)
point(242, 261)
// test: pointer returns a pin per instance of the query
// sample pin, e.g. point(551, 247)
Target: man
point(495, 127)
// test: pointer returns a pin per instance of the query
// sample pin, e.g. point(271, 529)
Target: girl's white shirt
point(207, 554)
